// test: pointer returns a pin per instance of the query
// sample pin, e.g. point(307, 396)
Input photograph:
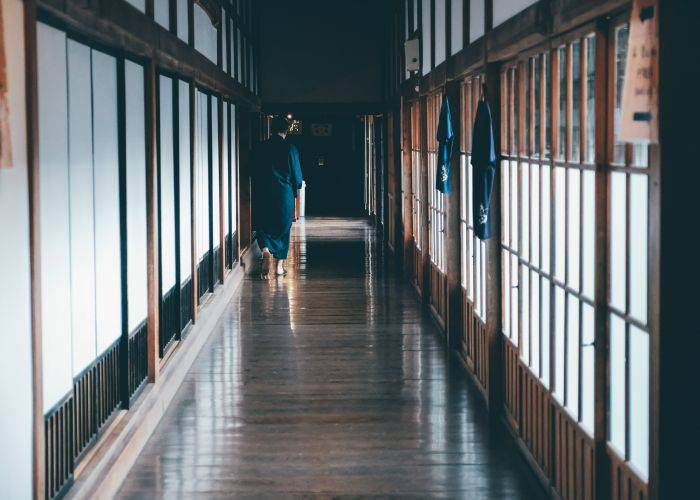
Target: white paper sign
point(640, 95)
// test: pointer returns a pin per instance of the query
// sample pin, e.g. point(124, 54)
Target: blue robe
point(276, 176)
point(484, 172)
point(445, 138)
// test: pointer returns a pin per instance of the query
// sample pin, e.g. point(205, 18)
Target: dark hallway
point(488, 288)
point(329, 383)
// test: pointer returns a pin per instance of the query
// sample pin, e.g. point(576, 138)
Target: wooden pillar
point(406, 172)
point(193, 201)
point(602, 463)
point(31, 91)
point(152, 222)
point(493, 258)
point(220, 195)
point(674, 343)
point(425, 209)
point(453, 254)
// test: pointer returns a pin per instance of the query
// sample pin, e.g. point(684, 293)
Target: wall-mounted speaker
point(412, 54)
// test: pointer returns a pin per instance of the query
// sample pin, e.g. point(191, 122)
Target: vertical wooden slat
point(39, 485)
point(152, 221)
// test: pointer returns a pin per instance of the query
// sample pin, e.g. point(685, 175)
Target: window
point(416, 173)
point(548, 222)
point(426, 27)
point(628, 328)
point(473, 275)
point(436, 199)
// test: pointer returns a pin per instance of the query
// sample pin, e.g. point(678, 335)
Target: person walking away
point(276, 176)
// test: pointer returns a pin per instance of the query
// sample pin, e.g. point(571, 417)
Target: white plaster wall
point(15, 370)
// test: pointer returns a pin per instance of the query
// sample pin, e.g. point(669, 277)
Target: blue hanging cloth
point(445, 138)
point(484, 170)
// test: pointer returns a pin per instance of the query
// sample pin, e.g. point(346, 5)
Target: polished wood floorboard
point(329, 382)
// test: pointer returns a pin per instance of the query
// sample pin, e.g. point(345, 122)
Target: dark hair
point(279, 125)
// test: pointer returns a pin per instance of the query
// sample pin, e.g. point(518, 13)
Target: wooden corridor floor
point(330, 382)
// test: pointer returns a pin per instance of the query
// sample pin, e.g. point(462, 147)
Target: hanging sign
point(640, 94)
point(322, 129)
point(5, 139)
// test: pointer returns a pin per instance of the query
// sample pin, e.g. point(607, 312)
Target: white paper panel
point(183, 26)
point(588, 255)
point(617, 383)
point(573, 252)
point(505, 9)
point(546, 292)
point(216, 208)
point(136, 195)
point(639, 228)
point(588, 367)
point(185, 181)
point(239, 51)
point(139, 4)
point(15, 300)
point(82, 210)
point(618, 221)
point(572, 354)
point(457, 26)
point(225, 159)
point(440, 32)
point(234, 171)
point(639, 400)
point(167, 183)
point(107, 238)
point(204, 33)
point(54, 214)
point(161, 12)
point(224, 31)
point(232, 51)
point(426, 55)
point(202, 175)
point(559, 325)
point(477, 19)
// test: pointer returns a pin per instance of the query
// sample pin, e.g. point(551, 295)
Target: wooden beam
point(153, 279)
point(31, 91)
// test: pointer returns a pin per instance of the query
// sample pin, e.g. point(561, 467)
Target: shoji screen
point(185, 183)
point(82, 206)
point(505, 9)
point(54, 214)
point(139, 4)
point(628, 294)
point(477, 11)
point(440, 32)
point(457, 26)
point(239, 56)
point(426, 28)
point(161, 12)
point(183, 26)
point(202, 195)
point(215, 188)
point(225, 185)
point(167, 184)
point(233, 145)
point(106, 176)
point(135, 194)
point(204, 33)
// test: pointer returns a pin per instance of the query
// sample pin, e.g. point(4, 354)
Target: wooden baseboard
point(116, 453)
